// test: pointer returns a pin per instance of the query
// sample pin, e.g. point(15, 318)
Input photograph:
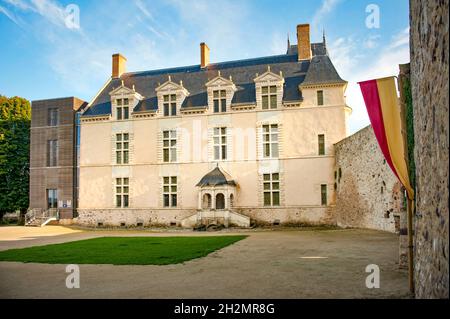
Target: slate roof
point(216, 178)
point(243, 73)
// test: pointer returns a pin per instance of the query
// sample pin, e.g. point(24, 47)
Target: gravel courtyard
point(268, 264)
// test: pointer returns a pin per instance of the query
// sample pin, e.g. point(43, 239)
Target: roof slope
point(216, 178)
point(194, 79)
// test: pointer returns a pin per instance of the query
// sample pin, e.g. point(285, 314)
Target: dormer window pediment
point(220, 94)
point(269, 88)
point(123, 102)
point(170, 96)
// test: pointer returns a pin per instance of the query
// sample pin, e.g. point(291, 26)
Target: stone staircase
point(216, 217)
point(38, 217)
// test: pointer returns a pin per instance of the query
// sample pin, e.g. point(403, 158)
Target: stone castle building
point(223, 142)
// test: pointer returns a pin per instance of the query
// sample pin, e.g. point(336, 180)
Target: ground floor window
point(323, 191)
point(271, 189)
point(122, 192)
point(52, 198)
point(170, 191)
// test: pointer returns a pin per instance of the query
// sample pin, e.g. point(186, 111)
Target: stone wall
point(368, 195)
point(314, 215)
point(429, 81)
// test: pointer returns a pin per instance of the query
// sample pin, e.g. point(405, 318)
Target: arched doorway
point(207, 201)
point(220, 201)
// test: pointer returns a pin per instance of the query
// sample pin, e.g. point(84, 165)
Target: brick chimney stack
point(304, 42)
point(119, 65)
point(204, 55)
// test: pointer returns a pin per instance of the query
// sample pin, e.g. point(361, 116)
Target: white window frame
point(220, 143)
point(220, 96)
point(122, 192)
point(121, 107)
point(268, 139)
point(271, 186)
point(170, 189)
point(272, 96)
point(170, 147)
point(122, 148)
point(170, 100)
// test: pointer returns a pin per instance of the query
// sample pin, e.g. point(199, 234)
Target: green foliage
point(410, 131)
point(122, 250)
point(15, 118)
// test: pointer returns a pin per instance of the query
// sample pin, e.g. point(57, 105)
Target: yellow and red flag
point(382, 103)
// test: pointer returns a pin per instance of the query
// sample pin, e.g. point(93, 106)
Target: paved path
point(268, 264)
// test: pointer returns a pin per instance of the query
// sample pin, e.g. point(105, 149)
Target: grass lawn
point(122, 250)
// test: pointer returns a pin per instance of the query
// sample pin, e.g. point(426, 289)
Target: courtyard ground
point(268, 264)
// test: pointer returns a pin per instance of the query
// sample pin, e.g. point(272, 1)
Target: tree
point(15, 119)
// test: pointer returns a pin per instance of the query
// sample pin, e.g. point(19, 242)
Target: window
point(220, 143)
point(170, 146)
point(52, 198)
point(52, 153)
point(220, 101)
point(170, 105)
point(321, 139)
point(269, 97)
point(270, 140)
point(170, 191)
point(271, 189)
point(52, 117)
point(122, 148)
point(323, 192)
point(122, 192)
point(123, 109)
point(319, 97)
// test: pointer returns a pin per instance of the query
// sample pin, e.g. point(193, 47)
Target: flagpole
point(409, 208)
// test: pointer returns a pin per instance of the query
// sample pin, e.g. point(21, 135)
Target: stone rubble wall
point(368, 194)
point(173, 217)
point(429, 84)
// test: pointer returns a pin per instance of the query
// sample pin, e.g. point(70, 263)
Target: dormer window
point(269, 89)
point(220, 101)
point(123, 109)
point(269, 97)
point(170, 97)
point(170, 105)
point(220, 92)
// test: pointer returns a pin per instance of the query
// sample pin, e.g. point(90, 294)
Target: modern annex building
point(223, 143)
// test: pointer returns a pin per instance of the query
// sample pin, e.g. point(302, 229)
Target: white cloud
point(372, 41)
point(10, 16)
point(326, 8)
point(49, 9)
point(355, 66)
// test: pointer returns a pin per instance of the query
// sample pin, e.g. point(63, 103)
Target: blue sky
point(42, 58)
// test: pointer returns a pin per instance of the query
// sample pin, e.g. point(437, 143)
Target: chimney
point(204, 55)
point(303, 42)
point(119, 63)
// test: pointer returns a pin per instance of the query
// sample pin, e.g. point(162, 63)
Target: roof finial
point(231, 78)
point(122, 83)
point(134, 89)
point(324, 38)
point(170, 78)
point(268, 68)
point(181, 83)
point(288, 42)
point(218, 72)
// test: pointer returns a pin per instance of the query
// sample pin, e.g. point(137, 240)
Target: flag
point(380, 97)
